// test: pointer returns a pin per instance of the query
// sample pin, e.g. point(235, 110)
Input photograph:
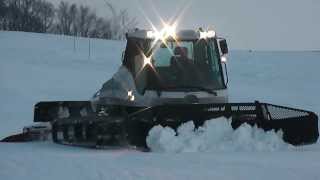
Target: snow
point(36, 67)
point(215, 135)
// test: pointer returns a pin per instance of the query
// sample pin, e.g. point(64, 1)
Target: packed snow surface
point(37, 67)
point(214, 135)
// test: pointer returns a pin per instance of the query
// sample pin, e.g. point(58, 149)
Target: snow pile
point(215, 135)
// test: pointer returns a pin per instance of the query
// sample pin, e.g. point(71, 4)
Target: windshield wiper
point(210, 91)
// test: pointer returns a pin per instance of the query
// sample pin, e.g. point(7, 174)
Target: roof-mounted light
point(152, 35)
point(207, 34)
point(166, 32)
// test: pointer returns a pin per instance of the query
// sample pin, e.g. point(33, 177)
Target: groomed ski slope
point(37, 67)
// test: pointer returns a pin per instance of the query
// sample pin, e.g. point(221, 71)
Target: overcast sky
point(247, 24)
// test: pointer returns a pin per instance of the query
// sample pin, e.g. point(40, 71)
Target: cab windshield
point(175, 65)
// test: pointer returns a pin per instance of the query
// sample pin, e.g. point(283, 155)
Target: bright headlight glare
point(146, 61)
point(130, 96)
point(169, 31)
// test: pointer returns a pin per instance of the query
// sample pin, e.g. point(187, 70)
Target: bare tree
point(68, 19)
point(13, 15)
point(120, 22)
point(27, 15)
point(63, 20)
point(47, 15)
point(72, 15)
point(82, 18)
point(102, 29)
point(2, 8)
point(126, 23)
point(86, 21)
point(3, 11)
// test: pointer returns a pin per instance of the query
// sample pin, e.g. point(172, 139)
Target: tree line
point(67, 18)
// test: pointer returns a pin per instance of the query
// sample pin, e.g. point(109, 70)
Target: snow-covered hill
point(36, 67)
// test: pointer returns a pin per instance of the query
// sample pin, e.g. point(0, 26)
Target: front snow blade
point(21, 137)
point(298, 126)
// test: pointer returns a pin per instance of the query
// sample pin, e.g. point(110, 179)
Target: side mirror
point(223, 46)
point(122, 56)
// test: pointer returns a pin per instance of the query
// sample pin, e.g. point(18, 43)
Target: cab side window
point(215, 63)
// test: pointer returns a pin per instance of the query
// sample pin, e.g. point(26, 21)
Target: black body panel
point(131, 125)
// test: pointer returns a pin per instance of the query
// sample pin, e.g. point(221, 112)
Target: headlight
point(224, 59)
point(130, 96)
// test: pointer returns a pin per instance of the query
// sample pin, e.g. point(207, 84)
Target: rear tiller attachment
point(298, 126)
